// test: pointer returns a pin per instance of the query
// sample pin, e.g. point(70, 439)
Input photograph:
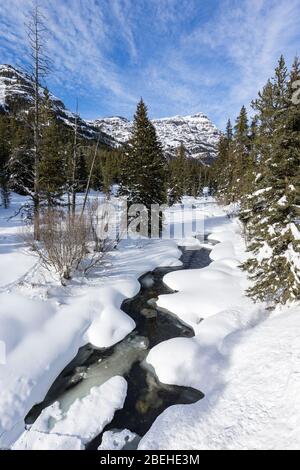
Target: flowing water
point(146, 396)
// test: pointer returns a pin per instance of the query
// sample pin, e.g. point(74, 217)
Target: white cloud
point(248, 37)
point(183, 56)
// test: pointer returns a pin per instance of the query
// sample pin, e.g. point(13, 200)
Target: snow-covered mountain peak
point(17, 94)
point(196, 132)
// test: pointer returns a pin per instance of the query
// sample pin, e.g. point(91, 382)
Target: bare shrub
point(102, 237)
point(73, 242)
point(63, 242)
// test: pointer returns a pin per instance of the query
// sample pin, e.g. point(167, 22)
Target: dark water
point(146, 396)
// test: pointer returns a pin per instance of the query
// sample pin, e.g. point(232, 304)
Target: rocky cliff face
point(197, 133)
point(17, 96)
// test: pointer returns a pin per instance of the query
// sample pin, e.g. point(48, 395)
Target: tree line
point(258, 168)
point(59, 175)
point(148, 177)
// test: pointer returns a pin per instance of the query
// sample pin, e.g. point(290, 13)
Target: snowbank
point(243, 359)
point(253, 402)
point(117, 440)
point(84, 420)
point(15, 259)
point(43, 324)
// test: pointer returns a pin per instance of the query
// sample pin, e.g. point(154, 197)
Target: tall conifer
point(143, 172)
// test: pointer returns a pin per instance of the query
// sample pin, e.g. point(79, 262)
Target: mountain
point(16, 95)
point(197, 133)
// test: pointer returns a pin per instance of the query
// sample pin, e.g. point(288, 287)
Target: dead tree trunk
point(40, 64)
point(90, 177)
point(74, 165)
point(36, 201)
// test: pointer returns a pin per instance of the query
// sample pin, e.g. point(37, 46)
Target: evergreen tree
point(239, 156)
point(143, 172)
point(274, 226)
point(229, 131)
point(5, 149)
point(177, 176)
point(20, 164)
point(223, 166)
point(51, 165)
point(196, 177)
point(250, 173)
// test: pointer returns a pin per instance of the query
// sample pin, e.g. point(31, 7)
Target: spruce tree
point(222, 167)
point(274, 226)
point(20, 164)
point(143, 172)
point(239, 155)
point(51, 166)
point(196, 177)
point(177, 176)
point(251, 172)
point(5, 149)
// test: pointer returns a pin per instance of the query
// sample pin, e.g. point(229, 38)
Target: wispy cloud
point(183, 56)
point(245, 40)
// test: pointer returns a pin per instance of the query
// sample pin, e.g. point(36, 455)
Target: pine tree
point(177, 176)
point(229, 131)
point(20, 164)
point(51, 151)
point(5, 149)
point(251, 172)
point(196, 177)
point(222, 167)
point(143, 172)
point(239, 155)
point(274, 229)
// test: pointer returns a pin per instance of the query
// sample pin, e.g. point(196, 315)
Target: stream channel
point(146, 396)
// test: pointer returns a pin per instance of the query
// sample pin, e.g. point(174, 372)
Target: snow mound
point(254, 401)
point(244, 359)
point(84, 420)
point(117, 440)
point(42, 325)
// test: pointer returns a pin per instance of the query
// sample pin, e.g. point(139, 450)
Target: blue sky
point(182, 56)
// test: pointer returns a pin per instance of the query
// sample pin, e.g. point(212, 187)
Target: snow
point(261, 191)
point(242, 357)
point(282, 201)
point(36, 440)
point(15, 84)
point(295, 231)
point(15, 258)
point(84, 420)
point(117, 440)
point(254, 401)
point(265, 252)
point(198, 134)
point(205, 292)
point(43, 324)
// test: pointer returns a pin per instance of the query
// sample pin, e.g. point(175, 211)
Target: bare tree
point(39, 66)
point(90, 177)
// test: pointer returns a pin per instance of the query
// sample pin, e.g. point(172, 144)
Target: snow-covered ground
point(42, 324)
point(244, 358)
point(84, 420)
